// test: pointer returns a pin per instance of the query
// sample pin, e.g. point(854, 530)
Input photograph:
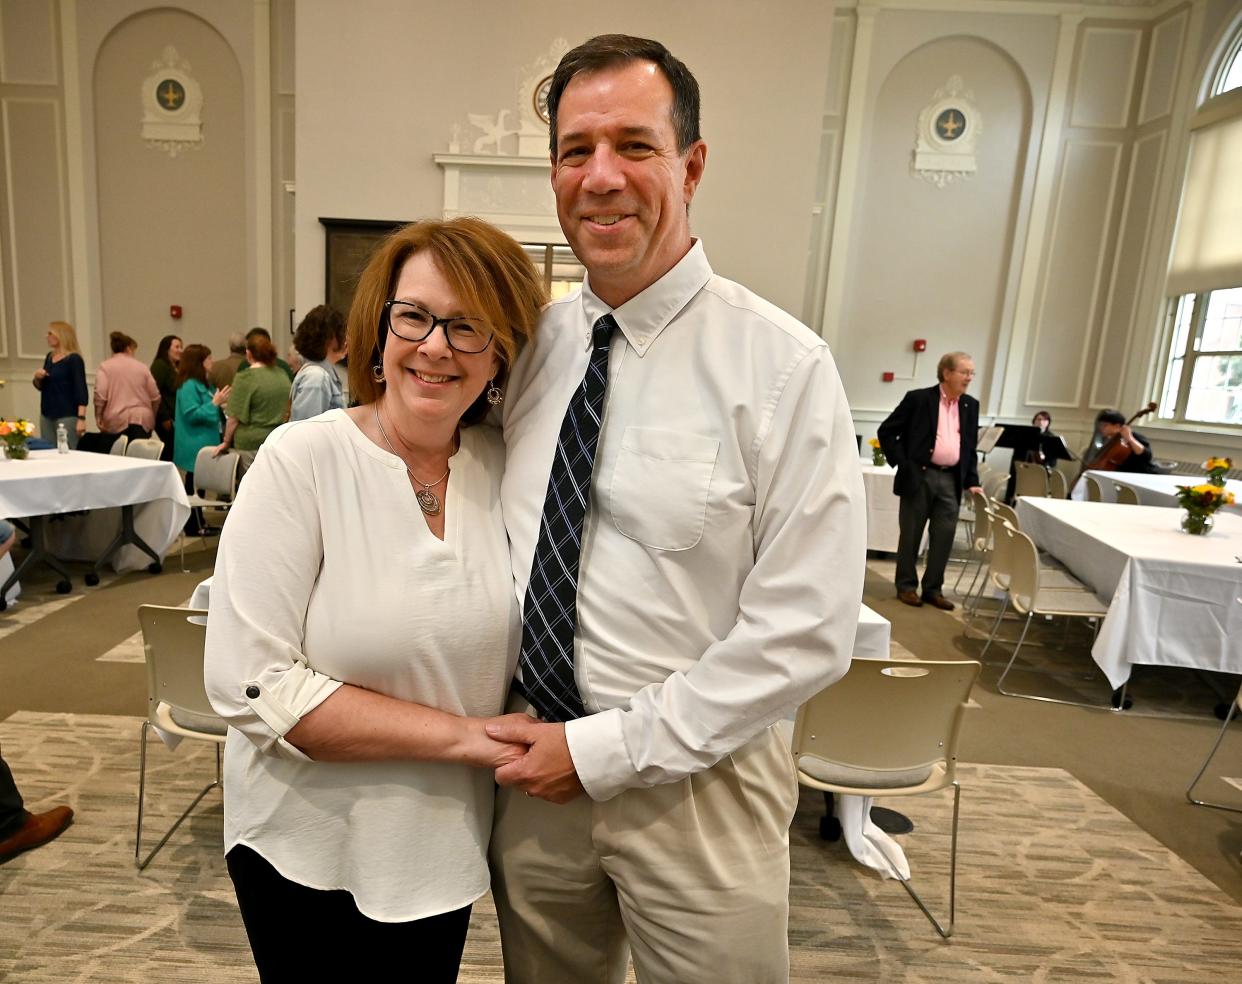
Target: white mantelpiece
point(514, 193)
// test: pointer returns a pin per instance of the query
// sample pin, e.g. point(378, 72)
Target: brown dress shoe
point(939, 601)
point(910, 598)
point(37, 830)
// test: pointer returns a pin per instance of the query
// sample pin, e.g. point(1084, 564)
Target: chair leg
point(216, 783)
point(995, 626)
point(1220, 737)
point(944, 931)
point(1000, 688)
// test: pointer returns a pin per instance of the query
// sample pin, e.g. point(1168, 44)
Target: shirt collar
point(643, 317)
point(944, 397)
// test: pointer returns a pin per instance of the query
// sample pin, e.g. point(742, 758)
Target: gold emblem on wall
point(946, 136)
point(172, 103)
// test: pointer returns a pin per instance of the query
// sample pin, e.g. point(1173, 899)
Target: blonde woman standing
point(62, 382)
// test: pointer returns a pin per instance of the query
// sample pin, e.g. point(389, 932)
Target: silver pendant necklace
point(428, 501)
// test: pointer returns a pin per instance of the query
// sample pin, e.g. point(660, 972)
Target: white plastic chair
point(1126, 495)
point(1031, 479)
point(1234, 709)
point(119, 446)
point(172, 639)
point(1094, 492)
point(1058, 486)
point(218, 475)
point(145, 447)
point(889, 728)
point(1031, 595)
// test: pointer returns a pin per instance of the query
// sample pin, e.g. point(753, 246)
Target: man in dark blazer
point(930, 438)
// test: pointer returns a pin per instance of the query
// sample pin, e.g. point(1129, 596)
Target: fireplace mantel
point(514, 193)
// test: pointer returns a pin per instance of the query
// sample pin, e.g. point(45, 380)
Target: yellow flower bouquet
point(877, 456)
point(15, 433)
point(1216, 469)
point(1200, 502)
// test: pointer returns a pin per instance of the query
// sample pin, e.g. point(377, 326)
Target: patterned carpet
point(1054, 884)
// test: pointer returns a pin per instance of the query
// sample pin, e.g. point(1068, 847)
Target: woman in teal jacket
point(198, 417)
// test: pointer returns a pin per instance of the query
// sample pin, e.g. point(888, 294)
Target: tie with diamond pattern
point(550, 613)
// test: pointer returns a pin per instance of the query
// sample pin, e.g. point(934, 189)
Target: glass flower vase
point(877, 457)
point(1197, 524)
point(16, 452)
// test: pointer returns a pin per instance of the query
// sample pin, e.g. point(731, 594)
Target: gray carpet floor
point(1079, 857)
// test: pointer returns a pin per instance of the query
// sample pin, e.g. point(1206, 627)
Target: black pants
point(12, 809)
point(937, 500)
point(300, 934)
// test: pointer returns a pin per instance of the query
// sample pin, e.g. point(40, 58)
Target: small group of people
point(569, 638)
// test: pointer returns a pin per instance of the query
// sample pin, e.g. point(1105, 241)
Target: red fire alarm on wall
point(174, 311)
point(920, 345)
point(887, 377)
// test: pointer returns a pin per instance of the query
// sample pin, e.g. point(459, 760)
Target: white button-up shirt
point(723, 551)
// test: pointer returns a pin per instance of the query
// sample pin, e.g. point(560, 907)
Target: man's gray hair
point(948, 362)
point(237, 343)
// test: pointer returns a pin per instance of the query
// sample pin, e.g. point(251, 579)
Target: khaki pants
point(694, 875)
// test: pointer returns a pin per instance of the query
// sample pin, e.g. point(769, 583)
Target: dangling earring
point(377, 373)
point(494, 396)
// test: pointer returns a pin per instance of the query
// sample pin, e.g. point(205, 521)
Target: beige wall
point(762, 113)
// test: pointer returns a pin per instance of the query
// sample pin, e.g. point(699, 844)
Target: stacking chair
point(1094, 492)
point(994, 485)
point(218, 475)
point(1126, 495)
point(1234, 709)
point(119, 446)
point(1031, 595)
point(1031, 479)
point(889, 728)
point(980, 542)
point(176, 699)
point(1058, 486)
point(145, 447)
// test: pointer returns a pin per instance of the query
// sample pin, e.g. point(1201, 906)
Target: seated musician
point(1110, 424)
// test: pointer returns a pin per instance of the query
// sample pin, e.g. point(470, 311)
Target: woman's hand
point(218, 450)
point(479, 750)
point(221, 396)
point(40, 374)
point(80, 427)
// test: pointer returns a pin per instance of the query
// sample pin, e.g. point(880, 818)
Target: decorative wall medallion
point(533, 98)
point(948, 129)
point(172, 105)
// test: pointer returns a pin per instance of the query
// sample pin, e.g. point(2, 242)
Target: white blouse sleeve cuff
point(294, 694)
point(597, 747)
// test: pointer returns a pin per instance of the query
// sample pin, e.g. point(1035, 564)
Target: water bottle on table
point(62, 438)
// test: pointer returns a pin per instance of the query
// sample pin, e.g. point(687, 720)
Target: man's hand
point(975, 488)
point(218, 450)
point(80, 427)
point(547, 770)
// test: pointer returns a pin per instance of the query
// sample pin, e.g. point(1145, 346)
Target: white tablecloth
point(1171, 596)
point(1153, 490)
point(49, 483)
point(883, 530)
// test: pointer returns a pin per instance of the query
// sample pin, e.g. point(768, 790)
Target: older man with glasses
point(930, 438)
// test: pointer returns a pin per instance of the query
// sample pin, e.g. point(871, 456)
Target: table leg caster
point(829, 828)
point(91, 579)
point(155, 568)
point(63, 587)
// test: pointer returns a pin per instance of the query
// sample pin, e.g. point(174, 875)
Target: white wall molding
point(849, 169)
point(1095, 398)
point(1116, 146)
point(1102, 10)
point(11, 206)
point(1122, 120)
point(1010, 360)
point(1148, 111)
point(7, 31)
point(261, 301)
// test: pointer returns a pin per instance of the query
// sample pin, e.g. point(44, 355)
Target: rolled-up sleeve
point(797, 613)
point(258, 679)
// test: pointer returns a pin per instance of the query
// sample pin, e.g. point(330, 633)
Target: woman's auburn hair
point(488, 271)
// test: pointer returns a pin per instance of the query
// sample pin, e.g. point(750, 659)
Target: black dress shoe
point(938, 601)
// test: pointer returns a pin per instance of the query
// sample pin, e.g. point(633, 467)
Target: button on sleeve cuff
point(597, 746)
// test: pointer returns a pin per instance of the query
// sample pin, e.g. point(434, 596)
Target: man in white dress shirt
point(720, 569)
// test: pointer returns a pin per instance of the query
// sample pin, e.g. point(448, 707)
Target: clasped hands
point(533, 756)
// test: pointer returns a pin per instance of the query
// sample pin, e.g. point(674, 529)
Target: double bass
point(1113, 453)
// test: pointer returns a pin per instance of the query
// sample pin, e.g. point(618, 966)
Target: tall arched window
point(1203, 374)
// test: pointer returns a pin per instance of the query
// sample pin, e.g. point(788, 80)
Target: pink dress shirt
point(125, 392)
point(948, 449)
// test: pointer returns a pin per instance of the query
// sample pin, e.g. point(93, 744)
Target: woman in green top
point(259, 402)
point(198, 417)
point(164, 369)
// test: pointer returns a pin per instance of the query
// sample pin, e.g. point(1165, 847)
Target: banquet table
point(1171, 596)
point(147, 495)
point(882, 505)
point(1153, 490)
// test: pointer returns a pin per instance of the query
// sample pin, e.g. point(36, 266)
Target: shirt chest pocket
point(659, 489)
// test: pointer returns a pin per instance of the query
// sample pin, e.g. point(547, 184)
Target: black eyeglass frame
point(435, 322)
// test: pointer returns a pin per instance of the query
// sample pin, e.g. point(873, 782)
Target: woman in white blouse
point(363, 625)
